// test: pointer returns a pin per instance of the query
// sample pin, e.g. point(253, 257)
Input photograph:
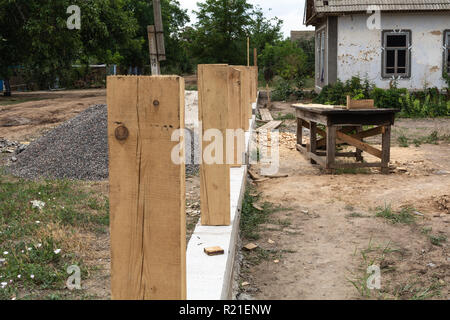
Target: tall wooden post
point(235, 116)
point(255, 57)
point(213, 115)
point(147, 188)
point(248, 52)
point(245, 96)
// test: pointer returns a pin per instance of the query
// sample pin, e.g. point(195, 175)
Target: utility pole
point(156, 39)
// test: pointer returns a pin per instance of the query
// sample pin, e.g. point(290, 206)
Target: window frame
point(446, 52)
point(408, 59)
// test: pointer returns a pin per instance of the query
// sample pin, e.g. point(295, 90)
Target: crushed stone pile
point(77, 149)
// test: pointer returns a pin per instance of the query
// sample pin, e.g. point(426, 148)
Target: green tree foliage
point(284, 59)
point(222, 28)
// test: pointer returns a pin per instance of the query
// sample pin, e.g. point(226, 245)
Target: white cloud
point(290, 11)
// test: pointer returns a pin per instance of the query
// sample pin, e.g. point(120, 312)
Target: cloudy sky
point(290, 11)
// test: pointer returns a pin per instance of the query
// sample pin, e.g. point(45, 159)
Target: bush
point(286, 90)
point(427, 103)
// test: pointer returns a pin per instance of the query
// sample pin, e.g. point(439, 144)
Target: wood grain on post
point(235, 116)
point(245, 96)
point(213, 114)
point(147, 189)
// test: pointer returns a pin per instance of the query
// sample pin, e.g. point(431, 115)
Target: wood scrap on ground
point(250, 246)
point(213, 251)
point(269, 126)
point(265, 114)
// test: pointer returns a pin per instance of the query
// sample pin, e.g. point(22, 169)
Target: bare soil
point(328, 238)
point(43, 110)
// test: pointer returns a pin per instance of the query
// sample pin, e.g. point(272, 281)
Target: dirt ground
point(27, 115)
point(331, 233)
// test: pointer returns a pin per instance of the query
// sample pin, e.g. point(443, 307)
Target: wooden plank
point(147, 189)
point(159, 30)
point(313, 139)
point(331, 146)
point(213, 113)
point(235, 116)
point(360, 104)
point(299, 131)
point(245, 96)
point(270, 126)
point(154, 62)
point(265, 114)
point(359, 144)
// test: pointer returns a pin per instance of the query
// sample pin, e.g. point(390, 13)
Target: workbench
point(343, 126)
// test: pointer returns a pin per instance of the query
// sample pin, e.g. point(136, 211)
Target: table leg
point(299, 131)
point(385, 149)
point(331, 146)
point(359, 156)
point(313, 139)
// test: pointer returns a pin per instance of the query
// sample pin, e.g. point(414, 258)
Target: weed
point(437, 240)
point(404, 216)
point(403, 141)
point(287, 116)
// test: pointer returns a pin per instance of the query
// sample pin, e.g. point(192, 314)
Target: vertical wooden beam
point(245, 96)
point(154, 62)
point(313, 139)
point(235, 114)
point(213, 114)
point(159, 30)
point(147, 189)
point(385, 149)
point(255, 57)
point(299, 131)
point(359, 156)
point(331, 146)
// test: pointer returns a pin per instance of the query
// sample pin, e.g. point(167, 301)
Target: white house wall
point(359, 49)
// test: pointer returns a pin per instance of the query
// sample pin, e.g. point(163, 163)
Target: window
point(447, 52)
point(396, 54)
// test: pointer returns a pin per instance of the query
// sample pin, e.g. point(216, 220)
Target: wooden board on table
point(213, 112)
point(360, 104)
point(147, 189)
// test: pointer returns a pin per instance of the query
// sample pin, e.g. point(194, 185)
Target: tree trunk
point(7, 85)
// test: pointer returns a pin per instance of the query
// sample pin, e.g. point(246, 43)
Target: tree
point(284, 59)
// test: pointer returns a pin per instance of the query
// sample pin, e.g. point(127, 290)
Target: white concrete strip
point(210, 277)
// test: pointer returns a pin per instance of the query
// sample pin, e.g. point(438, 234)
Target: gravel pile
point(77, 149)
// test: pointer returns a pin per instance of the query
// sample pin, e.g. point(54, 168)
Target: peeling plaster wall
point(359, 49)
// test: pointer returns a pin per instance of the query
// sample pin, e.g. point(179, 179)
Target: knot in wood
point(121, 132)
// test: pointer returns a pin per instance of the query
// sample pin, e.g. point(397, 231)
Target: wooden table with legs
point(342, 126)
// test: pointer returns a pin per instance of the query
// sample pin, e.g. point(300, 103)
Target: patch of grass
point(191, 87)
point(403, 141)
point(404, 216)
point(252, 218)
point(287, 116)
point(7, 101)
point(416, 289)
point(437, 240)
point(42, 243)
point(432, 138)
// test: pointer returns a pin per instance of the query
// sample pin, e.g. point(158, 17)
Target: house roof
point(314, 8)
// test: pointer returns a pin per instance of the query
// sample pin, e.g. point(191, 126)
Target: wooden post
point(385, 149)
point(246, 113)
point(213, 114)
point(147, 189)
point(313, 139)
point(331, 147)
point(154, 62)
point(235, 115)
point(255, 57)
point(159, 30)
point(299, 131)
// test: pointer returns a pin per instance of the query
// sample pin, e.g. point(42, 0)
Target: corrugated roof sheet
point(335, 6)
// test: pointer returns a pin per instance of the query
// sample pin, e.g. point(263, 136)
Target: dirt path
point(322, 246)
point(43, 110)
